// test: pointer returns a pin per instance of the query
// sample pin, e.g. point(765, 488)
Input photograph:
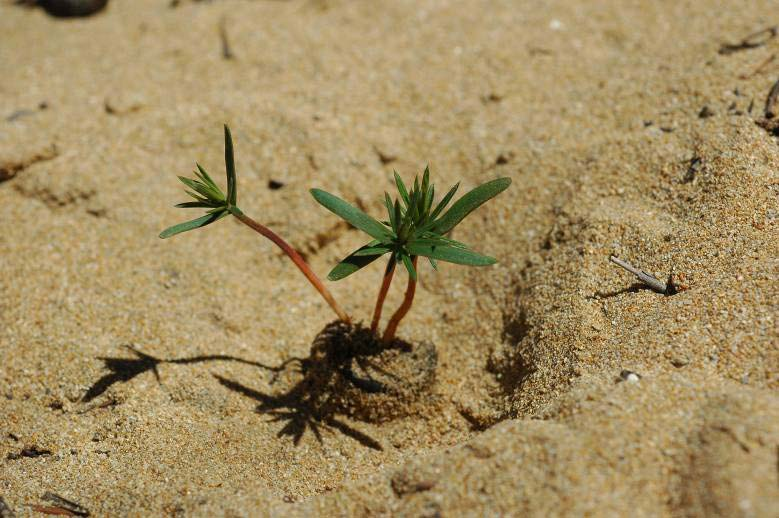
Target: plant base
point(355, 374)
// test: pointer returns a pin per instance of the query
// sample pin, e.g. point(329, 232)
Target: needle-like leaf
point(450, 254)
point(372, 250)
point(401, 189)
point(444, 202)
point(203, 175)
point(232, 188)
point(193, 204)
point(351, 264)
point(351, 214)
point(391, 211)
point(193, 224)
point(409, 266)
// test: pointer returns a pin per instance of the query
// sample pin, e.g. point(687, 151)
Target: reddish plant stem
point(388, 273)
point(411, 287)
point(296, 258)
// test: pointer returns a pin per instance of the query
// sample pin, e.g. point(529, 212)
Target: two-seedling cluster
point(414, 227)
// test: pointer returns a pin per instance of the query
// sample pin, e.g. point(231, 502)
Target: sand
point(139, 378)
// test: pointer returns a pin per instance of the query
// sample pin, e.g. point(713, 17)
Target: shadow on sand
point(349, 373)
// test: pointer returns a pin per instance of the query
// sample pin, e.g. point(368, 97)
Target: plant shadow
point(346, 375)
point(300, 410)
point(310, 404)
point(122, 370)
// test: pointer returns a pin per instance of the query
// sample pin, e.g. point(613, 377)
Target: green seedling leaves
point(351, 214)
point(353, 262)
point(470, 202)
point(192, 225)
point(450, 254)
point(232, 187)
point(208, 195)
point(413, 227)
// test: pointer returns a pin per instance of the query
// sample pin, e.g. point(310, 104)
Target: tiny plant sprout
point(207, 195)
point(415, 227)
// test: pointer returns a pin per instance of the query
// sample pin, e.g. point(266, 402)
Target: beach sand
point(139, 376)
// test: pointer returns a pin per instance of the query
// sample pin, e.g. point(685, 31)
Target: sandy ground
point(594, 109)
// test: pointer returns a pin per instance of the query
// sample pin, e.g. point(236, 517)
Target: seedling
point(208, 195)
point(415, 227)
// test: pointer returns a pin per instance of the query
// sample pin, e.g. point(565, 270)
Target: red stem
point(388, 273)
point(296, 258)
point(411, 287)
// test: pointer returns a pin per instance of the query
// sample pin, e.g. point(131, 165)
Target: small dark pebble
point(275, 185)
point(502, 159)
point(706, 112)
point(31, 452)
point(72, 8)
point(491, 98)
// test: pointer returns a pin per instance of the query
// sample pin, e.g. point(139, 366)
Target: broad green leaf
point(401, 188)
point(450, 254)
point(193, 224)
point(230, 166)
point(351, 264)
point(409, 266)
point(469, 203)
point(351, 214)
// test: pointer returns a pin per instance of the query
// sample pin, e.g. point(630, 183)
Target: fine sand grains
point(144, 377)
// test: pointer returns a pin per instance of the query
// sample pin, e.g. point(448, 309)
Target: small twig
point(61, 507)
point(770, 103)
point(227, 52)
point(754, 40)
point(767, 61)
point(647, 278)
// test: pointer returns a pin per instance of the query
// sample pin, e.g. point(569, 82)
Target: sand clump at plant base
point(139, 376)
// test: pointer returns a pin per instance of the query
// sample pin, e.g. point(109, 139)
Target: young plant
point(415, 227)
point(208, 195)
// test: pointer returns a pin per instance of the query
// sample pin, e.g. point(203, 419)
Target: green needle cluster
point(208, 195)
point(414, 227)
